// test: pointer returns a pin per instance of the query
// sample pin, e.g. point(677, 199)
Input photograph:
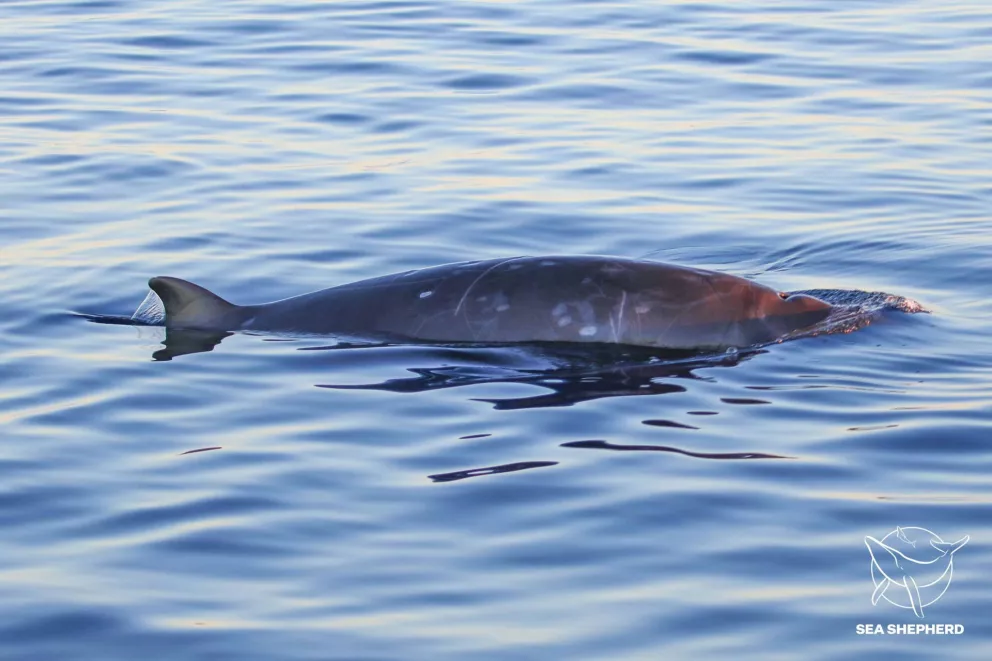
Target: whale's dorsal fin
point(191, 306)
point(950, 547)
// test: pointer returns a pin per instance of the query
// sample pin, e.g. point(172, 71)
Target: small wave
point(854, 309)
point(151, 312)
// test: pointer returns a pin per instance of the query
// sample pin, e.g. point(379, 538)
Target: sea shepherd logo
point(911, 567)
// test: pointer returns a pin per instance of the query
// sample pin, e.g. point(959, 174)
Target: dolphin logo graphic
point(915, 559)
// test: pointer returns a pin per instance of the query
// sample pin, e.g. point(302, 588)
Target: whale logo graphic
point(916, 560)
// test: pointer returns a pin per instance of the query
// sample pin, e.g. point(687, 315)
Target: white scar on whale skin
point(476, 281)
point(618, 327)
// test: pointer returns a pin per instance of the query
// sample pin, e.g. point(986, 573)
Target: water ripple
point(267, 497)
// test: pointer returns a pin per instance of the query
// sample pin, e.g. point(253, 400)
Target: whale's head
point(784, 313)
point(785, 304)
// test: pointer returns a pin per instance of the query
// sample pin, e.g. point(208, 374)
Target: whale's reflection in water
point(567, 374)
point(185, 342)
point(570, 374)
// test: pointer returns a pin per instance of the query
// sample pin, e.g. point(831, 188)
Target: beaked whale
point(520, 300)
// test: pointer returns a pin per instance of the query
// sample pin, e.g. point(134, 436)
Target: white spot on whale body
point(587, 312)
point(587, 331)
point(427, 293)
point(502, 307)
point(564, 321)
point(548, 262)
point(559, 310)
point(514, 267)
point(642, 308)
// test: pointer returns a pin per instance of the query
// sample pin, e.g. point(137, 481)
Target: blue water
point(484, 504)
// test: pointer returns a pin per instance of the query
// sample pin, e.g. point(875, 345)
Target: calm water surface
point(488, 504)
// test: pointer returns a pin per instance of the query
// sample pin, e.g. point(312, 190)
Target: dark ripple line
point(490, 470)
point(605, 445)
point(667, 423)
point(743, 400)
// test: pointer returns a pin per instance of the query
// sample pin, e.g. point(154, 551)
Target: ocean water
point(280, 498)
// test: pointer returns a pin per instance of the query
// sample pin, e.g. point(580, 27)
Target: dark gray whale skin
point(521, 299)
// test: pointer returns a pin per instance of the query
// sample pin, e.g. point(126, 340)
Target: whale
point(912, 563)
point(555, 299)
